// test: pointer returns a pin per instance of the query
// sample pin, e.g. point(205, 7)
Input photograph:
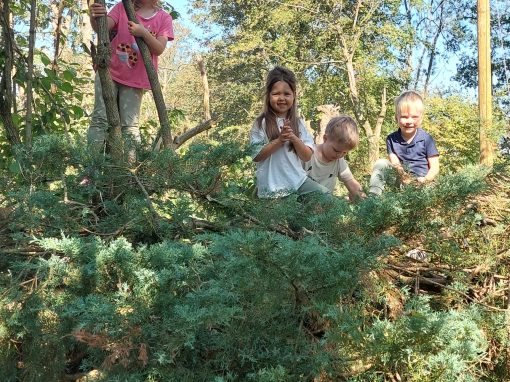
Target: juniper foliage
point(183, 276)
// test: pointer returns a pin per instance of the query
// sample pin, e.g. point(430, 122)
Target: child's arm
point(355, 190)
point(156, 45)
point(395, 162)
point(397, 165)
point(303, 151)
point(268, 149)
point(433, 170)
point(98, 10)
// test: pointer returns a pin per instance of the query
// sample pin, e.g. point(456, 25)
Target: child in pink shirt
point(127, 68)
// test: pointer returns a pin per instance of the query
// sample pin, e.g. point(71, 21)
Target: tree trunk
point(327, 112)
point(153, 79)
point(205, 84)
point(30, 73)
point(103, 58)
point(85, 27)
point(6, 97)
point(373, 134)
point(433, 49)
point(373, 147)
point(58, 9)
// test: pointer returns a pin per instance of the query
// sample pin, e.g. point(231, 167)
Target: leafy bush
point(184, 276)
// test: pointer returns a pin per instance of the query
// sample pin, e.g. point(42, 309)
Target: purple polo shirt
point(413, 156)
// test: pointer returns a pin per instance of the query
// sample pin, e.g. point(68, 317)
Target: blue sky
point(182, 6)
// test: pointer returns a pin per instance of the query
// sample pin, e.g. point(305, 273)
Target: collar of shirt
point(420, 136)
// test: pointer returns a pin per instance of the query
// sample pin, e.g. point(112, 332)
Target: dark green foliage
point(174, 272)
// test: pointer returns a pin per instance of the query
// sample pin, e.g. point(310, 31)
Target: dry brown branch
point(26, 251)
point(442, 284)
point(187, 135)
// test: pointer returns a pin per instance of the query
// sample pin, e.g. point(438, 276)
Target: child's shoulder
point(393, 135)
point(425, 133)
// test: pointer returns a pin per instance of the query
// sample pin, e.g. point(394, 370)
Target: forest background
point(171, 270)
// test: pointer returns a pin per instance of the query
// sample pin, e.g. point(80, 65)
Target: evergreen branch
point(111, 234)
point(155, 216)
point(278, 229)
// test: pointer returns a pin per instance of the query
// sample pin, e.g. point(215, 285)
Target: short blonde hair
point(406, 98)
point(344, 130)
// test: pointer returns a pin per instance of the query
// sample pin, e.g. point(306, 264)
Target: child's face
point(281, 98)
point(333, 149)
point(410, 118)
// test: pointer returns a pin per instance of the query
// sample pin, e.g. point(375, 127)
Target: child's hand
point(360, 195)
point(287, 133)
point(97, 10)
point(405, 178)
point(137, 30)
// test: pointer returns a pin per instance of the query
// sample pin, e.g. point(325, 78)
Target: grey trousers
point(310, 186)
point(129, 101)
point(377, 179)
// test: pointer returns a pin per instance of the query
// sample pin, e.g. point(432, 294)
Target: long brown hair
point(268, 114)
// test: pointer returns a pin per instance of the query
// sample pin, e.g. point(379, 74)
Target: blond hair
point(405, 99)
point(344, 130)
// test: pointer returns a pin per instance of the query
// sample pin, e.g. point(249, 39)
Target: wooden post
point(484, 81)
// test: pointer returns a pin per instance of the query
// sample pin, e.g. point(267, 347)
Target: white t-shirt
point(326, 174)
point(281, 173)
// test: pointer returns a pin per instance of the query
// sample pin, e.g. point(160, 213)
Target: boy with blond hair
point(410, 149)
point(328, 163)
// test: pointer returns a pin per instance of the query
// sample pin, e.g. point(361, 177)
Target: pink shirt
point(127, 65)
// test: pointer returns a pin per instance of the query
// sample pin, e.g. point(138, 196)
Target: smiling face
point(409, 118)
point(281, 98)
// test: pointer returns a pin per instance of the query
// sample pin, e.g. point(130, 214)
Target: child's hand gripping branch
point(127, 68)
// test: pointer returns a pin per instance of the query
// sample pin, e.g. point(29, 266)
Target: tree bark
point(205, 84)
point(85, 27)
point(204, 126)
point(30, 73)
point(373, 147)
point(6, 97)
point(373, 133)
point(58, 9)
point(327, 112)
point(153, 79)
point(187, 135)
point(103, 58)
point(433, 50)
